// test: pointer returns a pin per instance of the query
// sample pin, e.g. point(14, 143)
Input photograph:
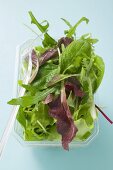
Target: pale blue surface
point(99, 154)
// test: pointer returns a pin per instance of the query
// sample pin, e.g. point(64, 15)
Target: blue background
point(99, 154)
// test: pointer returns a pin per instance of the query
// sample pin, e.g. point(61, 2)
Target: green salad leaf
point(72, 30)
point(75, 53)
point(84, 131)
point(40, 26)
point(30, 100)
point(67, 22)
point(48, 40)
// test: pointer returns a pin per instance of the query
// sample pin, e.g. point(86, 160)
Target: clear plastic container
point(23, 50)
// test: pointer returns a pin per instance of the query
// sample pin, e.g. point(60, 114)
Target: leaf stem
point(106, 117)
point(41, 126)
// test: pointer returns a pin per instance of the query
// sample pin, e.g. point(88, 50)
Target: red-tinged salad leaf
point(65, 41)
point(47, 55)
point(59, 110)
point(73, 85)
point(35, 69)
point(48, 99)
point(34, 58)
point(58, 103)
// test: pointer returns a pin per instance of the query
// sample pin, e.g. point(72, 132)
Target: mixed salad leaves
point(59, 99)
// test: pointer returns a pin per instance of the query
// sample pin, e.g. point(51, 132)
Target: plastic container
point(18, 130)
